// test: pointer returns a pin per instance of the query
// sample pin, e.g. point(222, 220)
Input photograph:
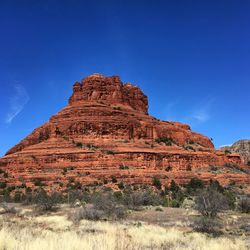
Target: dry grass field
point(148, 229)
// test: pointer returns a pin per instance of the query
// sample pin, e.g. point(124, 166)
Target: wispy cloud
point(202, 112)
point(226, 145)
point(17, 102)
point(201, 116)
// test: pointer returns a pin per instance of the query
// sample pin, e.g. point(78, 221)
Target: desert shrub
point(136, 199)
point(27, 198)
point(230, 199)
point(91, 214)
point(210, 202)
point(175, 193)
point(79, 144)
point(5, 195)
point(157, 182)
point(227, 151)
point(81, 213)
point(109, 152)
point(175, 203)
point(44, 135)
point(28, 190)
point(194, 184)
point(213, 168)
point(107, 203)
point(208, 225)
point(235, 167)
point(244, 205)
point(38, 182)
point(8, 209)
point(113, 179)
point(168, 168)
point(215, 185)
point(189, 147)
point(168, 141)
point(118, 195)
point(3, 185)
point(123, 167)
point(173, 186)
point(17, 197)
point(158, 209)
point(45, 201)
point(75, 185)
point(120, 212)
point(189, 167)
point(121, 185)
point(90, 146)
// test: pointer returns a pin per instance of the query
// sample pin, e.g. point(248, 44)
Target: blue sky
point(192, 59)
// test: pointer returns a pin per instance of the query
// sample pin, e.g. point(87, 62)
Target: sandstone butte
point(105, 132)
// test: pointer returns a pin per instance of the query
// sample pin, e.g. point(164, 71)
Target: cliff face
point(241, 147)
point(104, 132)
point(109, 90)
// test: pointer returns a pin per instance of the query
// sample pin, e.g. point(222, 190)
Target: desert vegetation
point(194, 216)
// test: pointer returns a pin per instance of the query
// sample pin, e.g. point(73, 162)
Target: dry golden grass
point(56, 232)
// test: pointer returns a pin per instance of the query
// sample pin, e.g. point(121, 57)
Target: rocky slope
point(241, 147)
point(105, 136)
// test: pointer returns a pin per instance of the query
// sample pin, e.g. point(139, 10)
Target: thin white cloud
point(201, 116)
point(17, 102)
point(226, 145)
point(202, 113)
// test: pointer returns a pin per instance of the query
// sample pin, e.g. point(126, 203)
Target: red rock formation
point(106, 131)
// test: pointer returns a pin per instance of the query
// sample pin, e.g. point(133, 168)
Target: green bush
point(236, 167)
point(79, 144)
point(173, 186)
point(45, 201)
point(158, 209)
point(169, 168)
point(113, 179)
point(121, 185)
point(38, 182)
point(18, 197)
point(244, 205)
point(110, 152)
point(194, 184)
point(208, 225)
point(157, 182)
point(188, 147)
point(210, 202)
point(123, 167)
point(231, 199)
point(3, 185)
point(214, 184)
point(175, 203)
point(168, 141)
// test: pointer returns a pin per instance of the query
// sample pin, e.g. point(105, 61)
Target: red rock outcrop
point(104, 132)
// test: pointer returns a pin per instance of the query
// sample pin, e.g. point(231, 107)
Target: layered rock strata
point(105, 133)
